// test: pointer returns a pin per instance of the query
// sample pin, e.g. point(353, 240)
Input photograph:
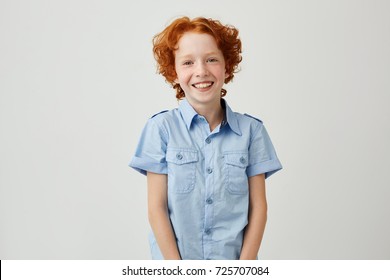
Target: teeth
point(202, 85)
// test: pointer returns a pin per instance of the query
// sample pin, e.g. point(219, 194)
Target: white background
point(78, 82)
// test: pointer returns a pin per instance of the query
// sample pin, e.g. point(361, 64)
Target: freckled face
point(200, 68)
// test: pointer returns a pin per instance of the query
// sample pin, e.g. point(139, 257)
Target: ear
point(176, 80)
point(226, 75)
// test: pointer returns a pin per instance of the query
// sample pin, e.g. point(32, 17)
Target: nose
point(201, 70)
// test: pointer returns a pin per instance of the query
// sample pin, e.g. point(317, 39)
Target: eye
point(188, 62)
point(212, 59)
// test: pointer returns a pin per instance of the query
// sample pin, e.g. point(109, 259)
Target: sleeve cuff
point(143, 165)
point(268, 167)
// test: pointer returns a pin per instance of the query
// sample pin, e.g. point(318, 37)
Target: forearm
point(254, 233)
point(257, 218)
point(158, 216)
point(164, 234)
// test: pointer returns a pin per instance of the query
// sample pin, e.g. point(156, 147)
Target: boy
point(205, 165)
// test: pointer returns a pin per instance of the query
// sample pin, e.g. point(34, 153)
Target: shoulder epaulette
point(159, 113)
point(253, 118)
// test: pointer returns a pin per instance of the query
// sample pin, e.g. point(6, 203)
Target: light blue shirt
point(208, 174)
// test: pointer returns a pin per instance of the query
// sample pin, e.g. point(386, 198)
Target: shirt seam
point(259, 128)
point(162, 129)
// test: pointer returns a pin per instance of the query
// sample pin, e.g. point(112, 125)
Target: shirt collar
point(231, 118)
point(188, 113)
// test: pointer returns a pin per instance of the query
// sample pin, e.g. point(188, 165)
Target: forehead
point(192, 42)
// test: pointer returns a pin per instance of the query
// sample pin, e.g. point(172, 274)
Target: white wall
point(78, 82)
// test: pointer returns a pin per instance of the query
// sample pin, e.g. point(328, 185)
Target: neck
point(213, 113)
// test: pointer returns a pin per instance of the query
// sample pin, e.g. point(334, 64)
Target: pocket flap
point(181, 156)
point(237, 159)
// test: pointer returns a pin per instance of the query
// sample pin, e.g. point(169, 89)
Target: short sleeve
point(151, 150)
point(262, 155)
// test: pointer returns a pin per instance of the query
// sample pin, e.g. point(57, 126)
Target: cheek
point(183, 77)
point(223, 73)
point(220, 72)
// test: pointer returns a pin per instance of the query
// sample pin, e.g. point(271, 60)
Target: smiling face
point(200, 69)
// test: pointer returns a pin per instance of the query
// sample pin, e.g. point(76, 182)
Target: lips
point(202, 85)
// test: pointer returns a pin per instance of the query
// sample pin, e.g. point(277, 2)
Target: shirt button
point(208, 140)
point(207, 231)
point(209, 170)
point(242, 160)
point(209, 201)
point(179, 156)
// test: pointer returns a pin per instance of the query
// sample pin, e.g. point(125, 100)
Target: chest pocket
point(235, 172)
point(181, 169)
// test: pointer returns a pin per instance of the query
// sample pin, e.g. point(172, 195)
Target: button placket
point(209, 190)
point(208, 173)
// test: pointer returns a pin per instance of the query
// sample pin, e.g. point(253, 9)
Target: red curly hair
point(165, 44)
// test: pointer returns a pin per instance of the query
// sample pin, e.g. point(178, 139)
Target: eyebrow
point(186, 56)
